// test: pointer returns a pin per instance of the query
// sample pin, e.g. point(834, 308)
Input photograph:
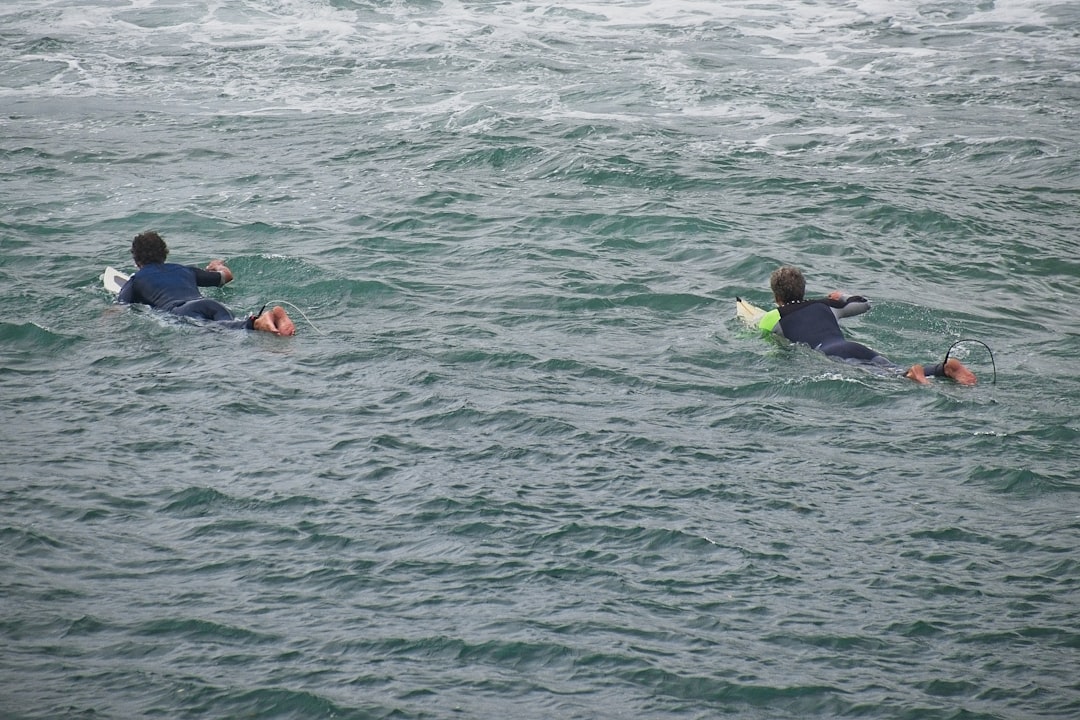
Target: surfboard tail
point(748, 312)
point(113, 280)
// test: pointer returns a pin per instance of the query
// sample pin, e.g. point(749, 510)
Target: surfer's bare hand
point(219, 266)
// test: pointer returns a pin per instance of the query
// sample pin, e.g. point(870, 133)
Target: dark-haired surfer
point(175, 288)
point(814, 323)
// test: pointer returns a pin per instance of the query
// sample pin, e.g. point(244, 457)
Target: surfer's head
point(788, 284)
point(148, 248)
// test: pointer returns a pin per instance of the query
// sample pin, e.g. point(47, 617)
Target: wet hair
point(788, 284)
point(148, 248)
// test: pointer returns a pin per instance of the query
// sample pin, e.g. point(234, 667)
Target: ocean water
point(521, 460)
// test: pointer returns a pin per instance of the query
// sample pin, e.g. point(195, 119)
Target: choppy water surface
point(521, 461)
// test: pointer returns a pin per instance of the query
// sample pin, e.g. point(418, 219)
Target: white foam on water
point(441, 61)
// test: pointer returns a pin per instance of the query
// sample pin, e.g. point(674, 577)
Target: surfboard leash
point(967, 340)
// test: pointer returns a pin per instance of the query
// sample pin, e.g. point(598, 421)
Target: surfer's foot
point(275, 321)
point(917, 374)
point(956, 370)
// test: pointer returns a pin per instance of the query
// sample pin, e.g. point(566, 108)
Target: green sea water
point(520, 459)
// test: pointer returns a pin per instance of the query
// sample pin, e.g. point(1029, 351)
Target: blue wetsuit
point(814, 323)
point(175, 289)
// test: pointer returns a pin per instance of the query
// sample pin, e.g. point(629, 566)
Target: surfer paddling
point(814, 323)
point(175, 288)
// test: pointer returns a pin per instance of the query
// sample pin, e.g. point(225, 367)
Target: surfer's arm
point(126, 294)
point(224, 273)
point(844, 305)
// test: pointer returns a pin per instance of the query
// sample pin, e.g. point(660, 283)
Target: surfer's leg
point(207, 309)
point(859, 354)
point(275, 321)
point(917, 374)
point(951, 368)
point(204, 309)
point(958, 372)
point(848, 350)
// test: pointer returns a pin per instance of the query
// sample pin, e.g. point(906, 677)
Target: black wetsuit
point(175, 289)
point(814, 323)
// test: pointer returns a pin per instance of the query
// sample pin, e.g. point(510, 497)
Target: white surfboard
point(747, 312)
point(113, 280)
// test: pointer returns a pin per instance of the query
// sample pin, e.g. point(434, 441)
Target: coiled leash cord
point(967, 340)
